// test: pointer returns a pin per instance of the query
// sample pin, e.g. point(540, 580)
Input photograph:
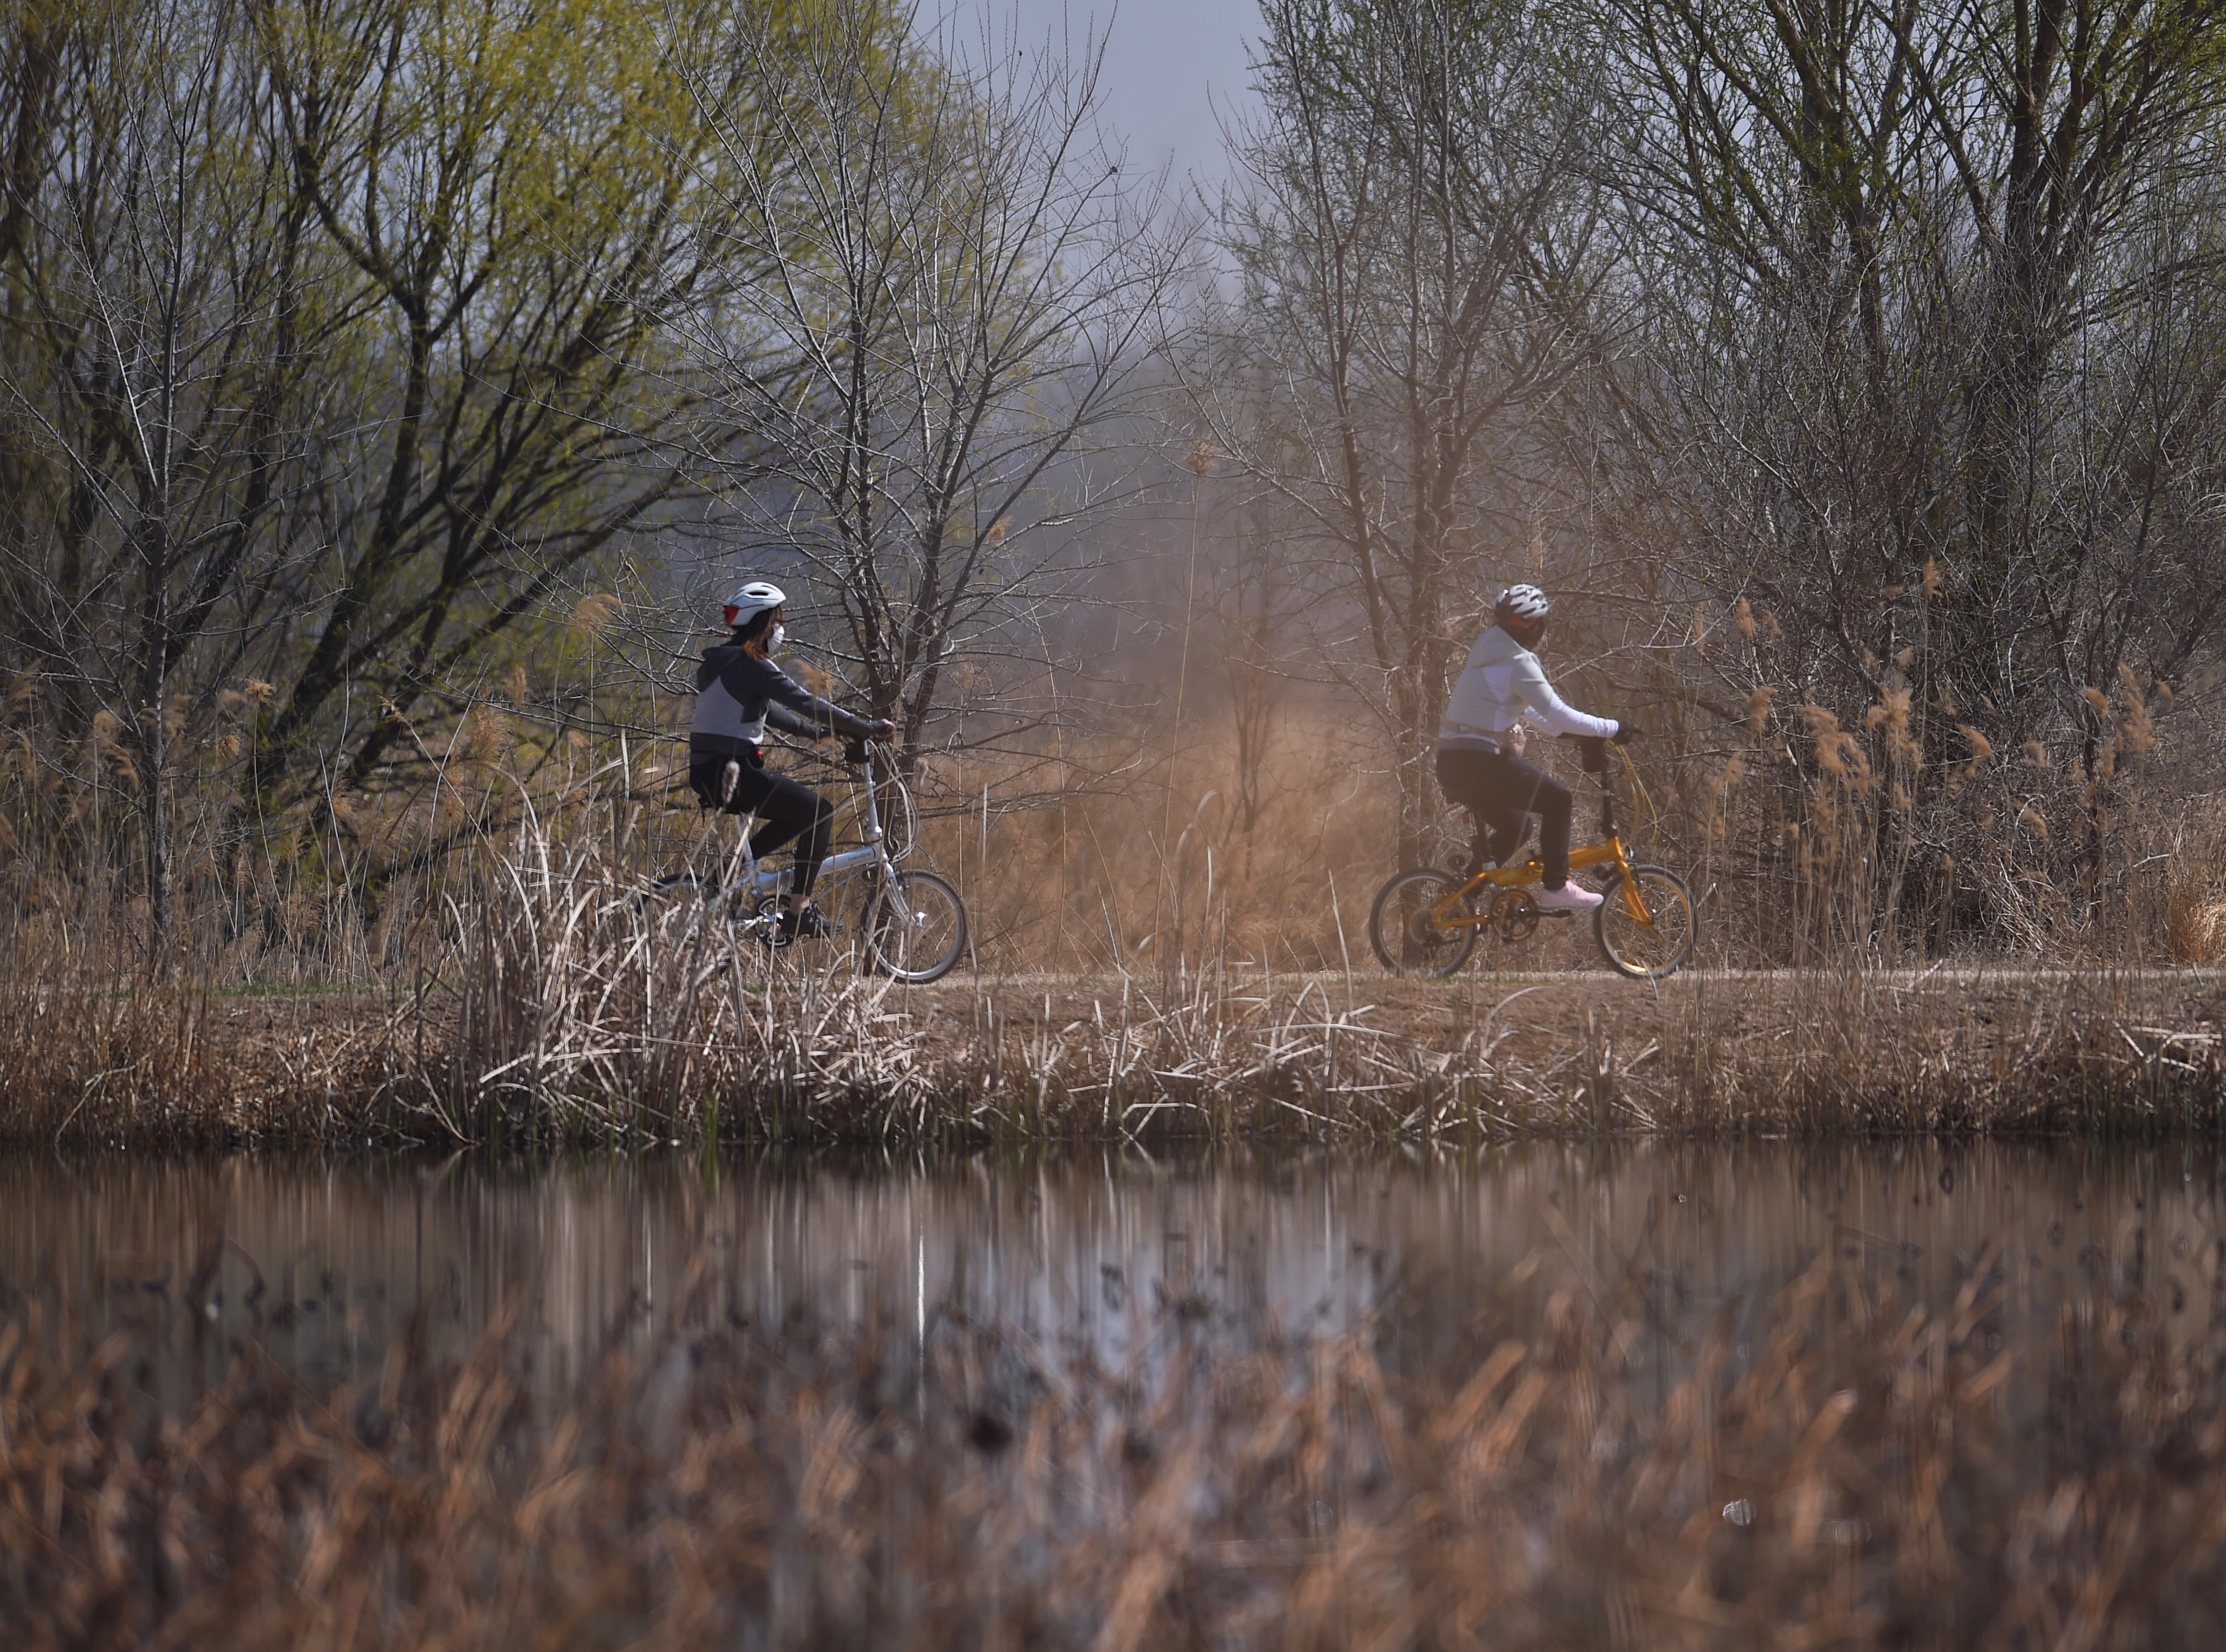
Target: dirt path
point(1529, 1017)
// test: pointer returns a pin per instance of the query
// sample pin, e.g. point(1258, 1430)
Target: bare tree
point(956, 281)
point(1414, 245)
point(157, 385)
point(1929, 375)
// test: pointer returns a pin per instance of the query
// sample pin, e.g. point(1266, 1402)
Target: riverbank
point(821, 1056)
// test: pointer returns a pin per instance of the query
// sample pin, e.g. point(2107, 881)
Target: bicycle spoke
point(916, 927)
point(1419, 925)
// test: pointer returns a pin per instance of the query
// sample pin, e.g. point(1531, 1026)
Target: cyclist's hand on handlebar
point(882, 729)
point(1624, 734)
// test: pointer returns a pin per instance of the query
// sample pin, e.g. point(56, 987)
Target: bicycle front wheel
point(1649, 947)
point(1406, 935)
point(915, 932)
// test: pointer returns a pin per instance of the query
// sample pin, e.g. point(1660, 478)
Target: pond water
point(322, 1263)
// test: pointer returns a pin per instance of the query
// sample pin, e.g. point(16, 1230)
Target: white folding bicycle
point(909, 923)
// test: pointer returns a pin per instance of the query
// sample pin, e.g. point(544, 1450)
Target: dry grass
point(2195, 930)
point(2194, 900)
point(543, 1004)
point(1817, 834)
point(571, 1015)
point(1849, 1473)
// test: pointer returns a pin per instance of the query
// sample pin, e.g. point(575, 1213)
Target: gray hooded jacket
point(737, 695)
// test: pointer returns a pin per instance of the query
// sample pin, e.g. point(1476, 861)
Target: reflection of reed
point(324, 1269)
point(1847, 1463)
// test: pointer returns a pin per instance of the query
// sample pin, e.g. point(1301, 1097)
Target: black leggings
point(1500, 789)
point(784, 809)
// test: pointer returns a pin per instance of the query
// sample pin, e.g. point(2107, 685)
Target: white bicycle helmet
point(1524, 604)
point(752, 599)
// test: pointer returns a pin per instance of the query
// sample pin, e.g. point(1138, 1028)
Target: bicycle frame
point(756, 880)
point(1452, 911)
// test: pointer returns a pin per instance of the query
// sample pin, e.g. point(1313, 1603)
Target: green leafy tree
point(516, 189)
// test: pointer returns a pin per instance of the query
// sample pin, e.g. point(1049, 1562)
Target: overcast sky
point(1172, 66)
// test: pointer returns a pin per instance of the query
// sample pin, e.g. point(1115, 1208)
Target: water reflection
point(324, 1263)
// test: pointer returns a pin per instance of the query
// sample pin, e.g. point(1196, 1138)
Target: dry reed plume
point(1849, 1473)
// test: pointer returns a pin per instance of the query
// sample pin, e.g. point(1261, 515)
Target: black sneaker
point(808, 924)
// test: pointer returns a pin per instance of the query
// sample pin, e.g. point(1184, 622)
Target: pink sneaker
point(1569, 897)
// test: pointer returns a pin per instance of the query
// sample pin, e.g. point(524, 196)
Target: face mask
point(774, 639)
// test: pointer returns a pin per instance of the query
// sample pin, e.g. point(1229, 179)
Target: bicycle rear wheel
point(1406, 938)
point(1648, 948)
point(916, 933)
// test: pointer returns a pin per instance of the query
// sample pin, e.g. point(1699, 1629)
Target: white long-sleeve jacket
point(1501, 679)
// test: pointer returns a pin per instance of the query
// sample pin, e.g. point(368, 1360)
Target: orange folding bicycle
point(1425, 922)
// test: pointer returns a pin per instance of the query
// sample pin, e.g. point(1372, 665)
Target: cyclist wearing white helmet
point(738, 692)
point(1480, 764)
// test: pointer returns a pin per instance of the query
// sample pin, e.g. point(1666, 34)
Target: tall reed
point(1889, 830)
point(521, 992)
point(576, 1010)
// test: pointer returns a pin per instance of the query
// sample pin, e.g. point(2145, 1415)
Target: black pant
point(784, 809)
point(1499, 788)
